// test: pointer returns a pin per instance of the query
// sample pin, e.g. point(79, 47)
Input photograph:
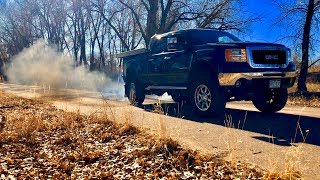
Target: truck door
point(169, 62)
point(155, 62)
point(176, 61)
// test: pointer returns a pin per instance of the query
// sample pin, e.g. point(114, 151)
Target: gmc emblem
point(272, 57)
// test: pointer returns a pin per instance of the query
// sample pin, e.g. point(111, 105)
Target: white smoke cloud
point(41, 65)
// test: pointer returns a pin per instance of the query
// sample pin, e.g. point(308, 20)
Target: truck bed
point(132, 53)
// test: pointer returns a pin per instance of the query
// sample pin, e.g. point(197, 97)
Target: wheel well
point(201, 70)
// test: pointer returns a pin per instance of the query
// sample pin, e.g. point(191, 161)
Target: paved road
point(263, 139)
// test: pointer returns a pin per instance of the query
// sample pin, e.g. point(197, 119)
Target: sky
point(264, 30)
point(267, 30)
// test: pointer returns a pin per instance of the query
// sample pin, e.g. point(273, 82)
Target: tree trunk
point(165, 9)
point(152, 19)
point(83, 57)
point(92, 60)
point(305, 49)
point(75, 46)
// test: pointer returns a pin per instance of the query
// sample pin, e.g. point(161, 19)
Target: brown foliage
point(39, 141)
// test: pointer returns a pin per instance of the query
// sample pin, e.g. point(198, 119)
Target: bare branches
point(92, 31)
point(173, 13)
point(136, 17)
point(301, 17)
point(315, 62)
point(215, 12)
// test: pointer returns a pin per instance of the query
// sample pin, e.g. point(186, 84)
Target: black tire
point(270, 100)
point(136, 93)
point(204, 104)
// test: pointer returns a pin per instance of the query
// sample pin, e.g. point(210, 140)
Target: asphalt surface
point(290, 138)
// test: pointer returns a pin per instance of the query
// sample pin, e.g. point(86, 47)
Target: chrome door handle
point(167, 58)
point(183, 68)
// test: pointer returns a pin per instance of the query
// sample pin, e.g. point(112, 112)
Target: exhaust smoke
point(42, 65)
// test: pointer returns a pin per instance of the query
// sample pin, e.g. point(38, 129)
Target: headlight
point(236, 55)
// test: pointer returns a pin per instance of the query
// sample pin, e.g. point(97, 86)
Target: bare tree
point(80, 26)
point(92, 31)
point(49, 21)
point(303, 16)
point(312, 7)
point(108, 13)
point(165, 15)
point(16, 27)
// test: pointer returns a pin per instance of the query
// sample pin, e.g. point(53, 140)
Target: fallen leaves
point(39, 141)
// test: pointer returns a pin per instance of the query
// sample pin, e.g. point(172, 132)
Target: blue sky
point(264, 30)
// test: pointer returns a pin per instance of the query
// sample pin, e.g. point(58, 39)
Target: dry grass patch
point(286, 168)
point(314, 69)
point(310, 99)
point(311, 85)
point(39, 141)
point(313, 101)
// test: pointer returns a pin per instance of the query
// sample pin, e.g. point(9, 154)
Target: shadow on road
point(282, 127)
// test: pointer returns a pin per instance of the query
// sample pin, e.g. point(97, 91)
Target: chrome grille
point(268, 57)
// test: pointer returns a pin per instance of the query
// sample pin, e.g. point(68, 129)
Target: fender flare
point(202, 63)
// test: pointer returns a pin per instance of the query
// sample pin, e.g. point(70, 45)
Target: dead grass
point(38, 140)
point(314, 69)
point(289, 166)
point(310, 99)
point(312, 87)
point(286, 168)
point(157, 108)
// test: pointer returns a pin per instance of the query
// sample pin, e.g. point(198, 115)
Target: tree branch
point(137, 18)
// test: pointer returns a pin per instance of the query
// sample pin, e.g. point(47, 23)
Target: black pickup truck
point(208, 68)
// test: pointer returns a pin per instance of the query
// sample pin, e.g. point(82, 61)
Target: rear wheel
point(270, 100)
point(207, 98)
point(136, 94)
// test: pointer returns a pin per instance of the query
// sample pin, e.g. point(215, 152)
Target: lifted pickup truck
point(208, 68)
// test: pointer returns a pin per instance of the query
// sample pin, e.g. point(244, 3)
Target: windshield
point(211, 36)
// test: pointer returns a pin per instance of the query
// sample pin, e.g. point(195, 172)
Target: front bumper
point(236, 79)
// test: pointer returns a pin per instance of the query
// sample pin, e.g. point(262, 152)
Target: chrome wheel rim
point(132, 93)
point(202, 97)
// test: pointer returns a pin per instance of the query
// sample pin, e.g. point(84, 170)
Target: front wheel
point(207, 98)
point(270, 100)
point(136, 94)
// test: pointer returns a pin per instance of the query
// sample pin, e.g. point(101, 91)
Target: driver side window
point(172, 42)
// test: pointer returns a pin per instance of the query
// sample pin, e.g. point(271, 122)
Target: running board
point(166, 87)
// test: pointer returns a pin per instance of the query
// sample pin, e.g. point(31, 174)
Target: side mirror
point(172, 43)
